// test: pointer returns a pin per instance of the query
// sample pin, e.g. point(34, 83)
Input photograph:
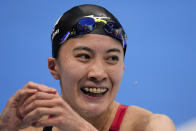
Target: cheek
point(69, 80)
point(116, 75)
point(70, 73)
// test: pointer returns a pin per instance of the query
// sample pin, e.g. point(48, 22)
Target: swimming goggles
point(87, 24)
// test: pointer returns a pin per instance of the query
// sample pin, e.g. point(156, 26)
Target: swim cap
point(66, 22)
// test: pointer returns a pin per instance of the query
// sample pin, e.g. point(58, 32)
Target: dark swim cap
point(71, 17)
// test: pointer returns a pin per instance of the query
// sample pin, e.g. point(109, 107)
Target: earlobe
point(52, 66)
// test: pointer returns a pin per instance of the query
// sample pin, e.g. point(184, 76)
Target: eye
point(83, 57)
point(112, 59)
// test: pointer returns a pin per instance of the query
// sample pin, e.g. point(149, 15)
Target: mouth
point(94, 91)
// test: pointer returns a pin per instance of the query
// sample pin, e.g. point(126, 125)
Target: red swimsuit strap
point(118, 118)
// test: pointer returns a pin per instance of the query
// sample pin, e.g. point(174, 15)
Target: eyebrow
point(113, 50)
point(90, 50)
point(83, 48)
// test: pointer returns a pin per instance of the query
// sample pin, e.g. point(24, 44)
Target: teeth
point(87, 89)
point(98, 90)
point(95, 90)
point(103, 90)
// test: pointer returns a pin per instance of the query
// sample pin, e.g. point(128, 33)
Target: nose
point(97, 72)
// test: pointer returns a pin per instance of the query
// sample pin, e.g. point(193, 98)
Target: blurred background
point(160, 62)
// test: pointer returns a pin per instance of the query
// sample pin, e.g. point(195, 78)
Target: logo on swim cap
point(97, 17)
point(55, 32)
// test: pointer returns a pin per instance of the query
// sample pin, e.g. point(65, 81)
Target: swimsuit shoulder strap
point(118, 118)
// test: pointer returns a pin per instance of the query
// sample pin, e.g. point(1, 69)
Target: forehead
point(94, 41)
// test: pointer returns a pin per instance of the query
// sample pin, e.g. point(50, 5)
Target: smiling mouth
point(94, 92)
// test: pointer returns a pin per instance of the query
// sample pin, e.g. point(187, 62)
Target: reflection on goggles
point(87, 24)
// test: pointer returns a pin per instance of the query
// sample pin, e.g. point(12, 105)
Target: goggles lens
point(84, 26)
point(114, 29)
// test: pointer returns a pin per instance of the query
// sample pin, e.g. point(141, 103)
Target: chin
point(92, 109)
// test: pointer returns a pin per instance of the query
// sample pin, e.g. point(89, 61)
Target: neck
point(104, 120)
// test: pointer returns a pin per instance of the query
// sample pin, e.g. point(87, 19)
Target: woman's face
point(90, 69)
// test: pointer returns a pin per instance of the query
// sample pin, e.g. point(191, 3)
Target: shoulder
point(160, 122)
point(137, 119)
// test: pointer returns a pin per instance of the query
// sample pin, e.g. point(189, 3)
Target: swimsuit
point(116, 122)
point(118, 118)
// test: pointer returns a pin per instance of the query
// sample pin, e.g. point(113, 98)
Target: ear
point(53, 68)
